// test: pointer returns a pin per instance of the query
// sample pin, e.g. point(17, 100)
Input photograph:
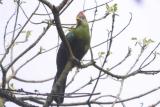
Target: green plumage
point(79, 40)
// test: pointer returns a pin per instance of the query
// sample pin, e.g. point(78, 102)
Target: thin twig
point(108, 52)
point(33, 81)
point(5, 32)
point(12, 98)
point(98, 6)
point(116, 34)
point(124, 59)
point(13, 41)
point(149, 54)
point(29, 48)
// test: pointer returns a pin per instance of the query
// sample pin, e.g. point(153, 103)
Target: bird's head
point(81, 18)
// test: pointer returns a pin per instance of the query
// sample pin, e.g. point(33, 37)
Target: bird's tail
point(59, 89)
point(60, 83)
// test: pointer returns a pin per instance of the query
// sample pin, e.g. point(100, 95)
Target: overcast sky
point(145, 23)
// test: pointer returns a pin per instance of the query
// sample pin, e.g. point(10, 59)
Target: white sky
point(145, 23)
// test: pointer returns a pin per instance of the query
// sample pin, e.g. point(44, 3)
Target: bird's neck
point(82, 32)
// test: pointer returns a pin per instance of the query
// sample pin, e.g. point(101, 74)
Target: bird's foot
point(76, 62)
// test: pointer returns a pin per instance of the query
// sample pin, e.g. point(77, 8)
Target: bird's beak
point(78, 18)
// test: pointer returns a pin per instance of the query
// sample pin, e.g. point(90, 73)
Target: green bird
point(79, 40)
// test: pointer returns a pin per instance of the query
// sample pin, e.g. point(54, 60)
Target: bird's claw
point(76, 62)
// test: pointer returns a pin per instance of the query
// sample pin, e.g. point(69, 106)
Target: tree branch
point(30, 47)
point(33, 81)
point(8, 95)
point(55, 10)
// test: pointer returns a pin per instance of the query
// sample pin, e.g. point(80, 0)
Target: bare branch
point(8, 95)
point(155, 105)
point(98, 6)
point(33, 81)
point(61, 5)
point(116, 34)
point(47, 3)
point(4, 72)
point(124, 59)
point(5, 32)
point(149, 54)
point(136, 60)
point(66, 6)
point(108, 52)
point(87, 83)
point(13, 41)
point(30, 47)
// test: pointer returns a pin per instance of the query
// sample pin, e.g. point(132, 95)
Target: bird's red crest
point(81, 15)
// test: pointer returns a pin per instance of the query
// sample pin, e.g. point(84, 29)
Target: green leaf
point(112, 9)
point(28, 33)
point(100, 54)
point(115, 8)
point(147, 41)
